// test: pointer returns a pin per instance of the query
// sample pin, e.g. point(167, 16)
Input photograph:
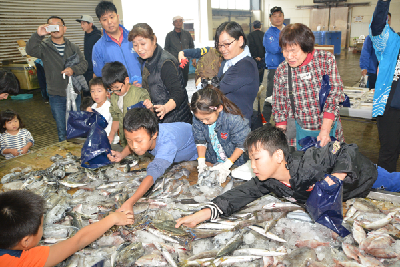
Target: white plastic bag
point(71, 97)
point(363, 81)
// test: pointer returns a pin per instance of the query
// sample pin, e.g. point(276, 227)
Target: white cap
point(177, 17)
point(86, 18)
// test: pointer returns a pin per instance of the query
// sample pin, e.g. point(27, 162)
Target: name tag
point(305, 76)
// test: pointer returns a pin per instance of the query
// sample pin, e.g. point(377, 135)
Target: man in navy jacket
point(369, 62)
point(273, 53)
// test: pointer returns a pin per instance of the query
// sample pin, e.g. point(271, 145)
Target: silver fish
point(358, 232)
point(166, 254)
point(128, 253)
point(161, 235)
point(380, 223)
point(233, 244)
point(215, 226)
point(259, 252)
point(229, 260)
point(266, 234)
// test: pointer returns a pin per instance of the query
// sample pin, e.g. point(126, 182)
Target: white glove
point(201, 165)
point(224, 170)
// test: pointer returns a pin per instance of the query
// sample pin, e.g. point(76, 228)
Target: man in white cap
point(178, 40)
point(92, 35)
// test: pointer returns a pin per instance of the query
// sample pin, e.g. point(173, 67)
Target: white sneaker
point(243, 172)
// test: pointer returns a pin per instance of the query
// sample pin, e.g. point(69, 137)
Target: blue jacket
point(368, 60)
point(273, 52)
point(174, 143)
point(386, 44)
point(231, 131)
point(106, 50)
point(239, 83)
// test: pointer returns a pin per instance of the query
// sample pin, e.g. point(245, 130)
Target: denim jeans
point(58, 106)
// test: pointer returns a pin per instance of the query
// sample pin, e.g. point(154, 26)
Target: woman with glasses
point(296, 106)
point(238, 72)
point(161, 76)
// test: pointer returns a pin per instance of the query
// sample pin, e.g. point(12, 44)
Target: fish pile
point(267, 232)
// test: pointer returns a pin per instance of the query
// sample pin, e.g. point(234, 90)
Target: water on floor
point(38, 119)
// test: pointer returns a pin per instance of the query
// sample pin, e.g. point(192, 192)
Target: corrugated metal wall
point(19, 19)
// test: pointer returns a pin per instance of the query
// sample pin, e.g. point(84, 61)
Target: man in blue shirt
point(369, 62)
point(273, 53)
point(114, 45)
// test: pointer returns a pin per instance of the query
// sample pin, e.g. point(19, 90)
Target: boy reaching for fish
point(21, 229)
point(293, 175)
point(167, 142)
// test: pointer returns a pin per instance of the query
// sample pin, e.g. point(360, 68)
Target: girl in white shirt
point(14, 139)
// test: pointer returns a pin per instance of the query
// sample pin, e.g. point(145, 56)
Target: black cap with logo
point(275, 9)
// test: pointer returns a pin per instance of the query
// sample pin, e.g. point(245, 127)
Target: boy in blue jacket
point(167, 142)
point(114, 44)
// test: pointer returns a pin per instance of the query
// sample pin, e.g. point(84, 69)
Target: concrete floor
point(39, 121)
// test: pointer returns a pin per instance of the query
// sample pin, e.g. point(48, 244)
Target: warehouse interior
point(201, 17)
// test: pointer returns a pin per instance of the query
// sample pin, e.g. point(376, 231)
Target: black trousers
point(371, 80)
point(261, 75)
point(389, 137)
point(185, 72)
point(267, 109)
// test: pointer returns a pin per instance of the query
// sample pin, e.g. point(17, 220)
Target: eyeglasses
point(226, 45)
point(115, 90)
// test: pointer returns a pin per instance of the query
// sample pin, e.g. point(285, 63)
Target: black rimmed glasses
point(115, 90)
point(226, 45)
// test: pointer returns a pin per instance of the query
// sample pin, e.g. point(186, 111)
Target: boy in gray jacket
point(54, 52)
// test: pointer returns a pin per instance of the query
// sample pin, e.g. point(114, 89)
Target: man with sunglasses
point(273, 53)
point(123, 95)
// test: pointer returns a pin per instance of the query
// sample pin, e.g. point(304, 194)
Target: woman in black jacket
point(161, 76)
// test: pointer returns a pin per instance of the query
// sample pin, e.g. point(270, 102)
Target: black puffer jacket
point(306, 168)
point(159, 93)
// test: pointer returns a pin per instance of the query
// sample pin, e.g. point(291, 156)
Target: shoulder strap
point(290, 88)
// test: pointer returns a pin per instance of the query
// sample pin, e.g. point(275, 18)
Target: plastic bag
point(71, 97)
point(324, 92)
point(303, 133)
point(311, 141)
point(325, 205)
point(80, 122)
point(95, 149)
point(363, 81)
point(346, 101)
point(137, 105)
